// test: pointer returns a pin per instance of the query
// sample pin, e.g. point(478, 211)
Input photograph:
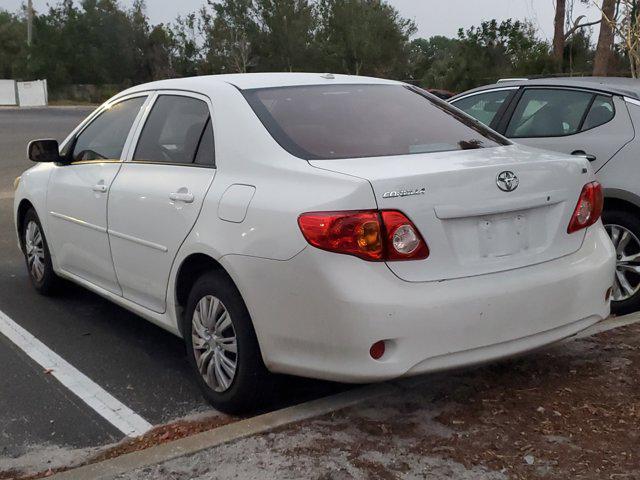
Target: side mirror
point(44, 151)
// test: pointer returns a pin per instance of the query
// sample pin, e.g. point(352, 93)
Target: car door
point(572, 121)
point(157, 196)
point(77, 193)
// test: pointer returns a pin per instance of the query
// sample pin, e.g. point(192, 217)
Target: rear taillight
point(373, 235)
point(588, 209)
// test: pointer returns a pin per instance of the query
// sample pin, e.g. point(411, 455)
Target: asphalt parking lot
point(136, 362)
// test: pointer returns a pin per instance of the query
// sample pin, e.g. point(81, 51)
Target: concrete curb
point(225, 434)
point(610, 324)
point(263, 423)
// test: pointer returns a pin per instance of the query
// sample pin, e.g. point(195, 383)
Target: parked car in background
point(336, 227)
point(596, 118)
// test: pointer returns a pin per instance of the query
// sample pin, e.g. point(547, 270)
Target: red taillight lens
point(370, 234)
point(588, 209)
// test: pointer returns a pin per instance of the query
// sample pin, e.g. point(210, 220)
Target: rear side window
point(206, 150)
point(602, 111)
point(484, 106)
point(105, 136)
point(173, 131)
point(352, 121)
point(549, 113)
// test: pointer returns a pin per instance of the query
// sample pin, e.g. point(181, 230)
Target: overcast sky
point(433, 17)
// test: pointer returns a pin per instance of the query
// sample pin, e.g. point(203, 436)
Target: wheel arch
point(24, 206)
point(626, 202)
point(192, 267)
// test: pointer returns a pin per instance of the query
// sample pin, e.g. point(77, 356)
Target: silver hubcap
point(627, 245)
point(214, 343)
point(34, 245)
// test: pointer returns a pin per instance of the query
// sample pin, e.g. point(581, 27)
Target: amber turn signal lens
point(368, 236)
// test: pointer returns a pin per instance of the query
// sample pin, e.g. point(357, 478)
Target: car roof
point(626, 87)
point(246, 81)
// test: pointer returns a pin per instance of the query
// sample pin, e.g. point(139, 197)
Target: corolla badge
point(404, 193)
point(507, 181)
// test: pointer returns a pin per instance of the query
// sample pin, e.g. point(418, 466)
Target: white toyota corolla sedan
point(336, 227)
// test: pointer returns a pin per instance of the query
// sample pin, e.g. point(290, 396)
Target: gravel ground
point(571, 411)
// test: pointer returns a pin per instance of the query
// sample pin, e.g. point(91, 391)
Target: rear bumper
point(317, 314)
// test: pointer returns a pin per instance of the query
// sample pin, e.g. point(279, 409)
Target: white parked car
point(337, 227)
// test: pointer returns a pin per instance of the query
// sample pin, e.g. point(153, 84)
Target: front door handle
point(100, 187)
point(181, 195)
point(582, 153)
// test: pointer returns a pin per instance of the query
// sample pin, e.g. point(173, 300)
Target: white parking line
point(102, 402)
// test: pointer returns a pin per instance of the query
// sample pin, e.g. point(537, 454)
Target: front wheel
point(222, 346)
point(624, 230)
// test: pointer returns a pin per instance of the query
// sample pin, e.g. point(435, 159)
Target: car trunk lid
point(471, 226)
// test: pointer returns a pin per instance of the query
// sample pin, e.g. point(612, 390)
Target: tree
point(231, 34)
point(604, 50)
point(430, 60)
point(559, 35)
point(564, 30)
point(139, 37)
point(627, 27)
point(13, 34)
point(287, 34)
point(494, 50)
point(363, 37)
point(187, 57)
point(100, 42)
point(159, 53)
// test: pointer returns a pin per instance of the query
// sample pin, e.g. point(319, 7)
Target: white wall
point(8, 92)
point(33, 94)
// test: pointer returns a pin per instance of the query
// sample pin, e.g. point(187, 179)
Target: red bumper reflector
point(377, 350)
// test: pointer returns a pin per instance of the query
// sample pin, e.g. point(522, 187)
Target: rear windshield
point(353, 121)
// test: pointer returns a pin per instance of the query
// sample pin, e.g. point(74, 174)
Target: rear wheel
point(624, 230)
point(37, 255)
point(222, 346)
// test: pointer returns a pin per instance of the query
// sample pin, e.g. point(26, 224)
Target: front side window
point(484, 106)
point(173, 131)
point(105, 136)
point(549, 113)
point(354, 121)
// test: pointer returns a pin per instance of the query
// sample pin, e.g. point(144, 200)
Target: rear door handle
point(100, 188)
point(582, 153)
point(181, 196)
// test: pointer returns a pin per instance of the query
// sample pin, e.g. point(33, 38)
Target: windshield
point(354, 121)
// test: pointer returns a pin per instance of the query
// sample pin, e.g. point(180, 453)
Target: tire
point(37, 255)
point(621, 225)
point(251, 384)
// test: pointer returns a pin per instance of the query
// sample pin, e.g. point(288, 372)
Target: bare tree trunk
point(604, 50)
point(558, 35)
